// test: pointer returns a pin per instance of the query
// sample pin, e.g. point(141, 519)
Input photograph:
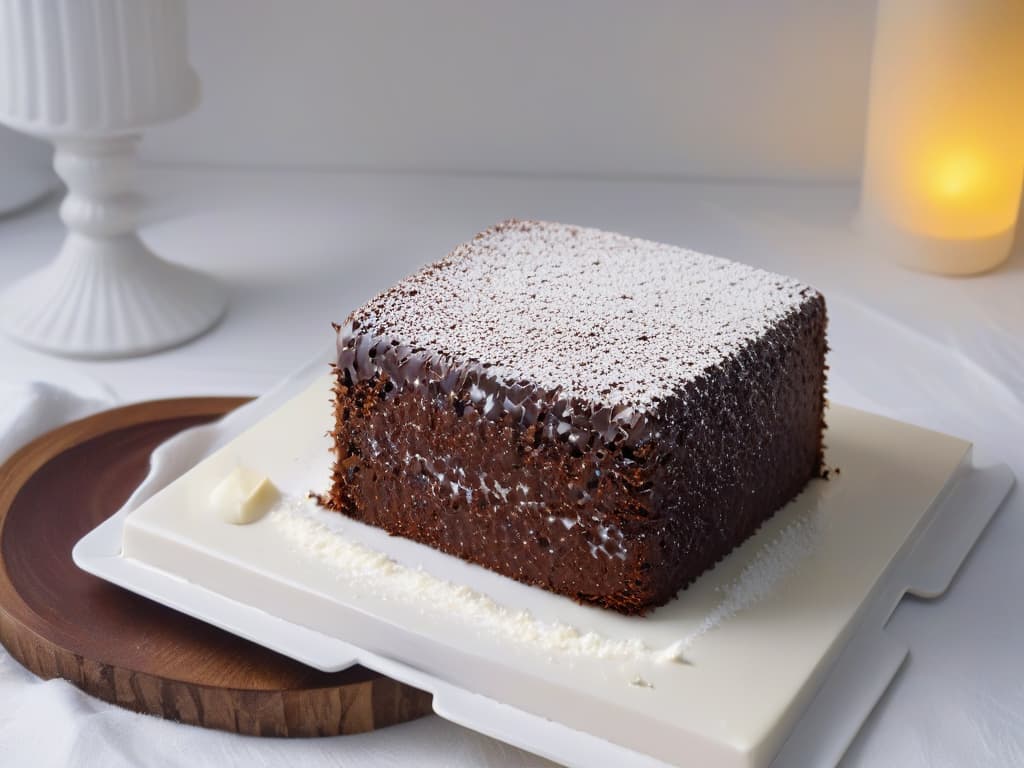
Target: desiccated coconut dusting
point(772, 563)
point(564, 307)
point(377, 574)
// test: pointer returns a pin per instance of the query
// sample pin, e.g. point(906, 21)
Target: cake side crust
point(518, 482)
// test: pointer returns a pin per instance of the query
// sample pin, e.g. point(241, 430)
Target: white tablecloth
point(300, 250)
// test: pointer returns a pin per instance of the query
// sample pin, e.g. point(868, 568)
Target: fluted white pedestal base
point(90, 75)
point(109, 297)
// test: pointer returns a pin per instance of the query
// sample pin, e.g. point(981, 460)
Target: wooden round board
point(62, 622)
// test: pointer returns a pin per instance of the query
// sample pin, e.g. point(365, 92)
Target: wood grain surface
point(59, 621)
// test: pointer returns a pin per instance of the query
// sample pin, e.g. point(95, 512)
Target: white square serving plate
point(785, 649)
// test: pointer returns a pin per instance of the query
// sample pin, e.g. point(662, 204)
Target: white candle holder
point(944, 158)
point(90, 75)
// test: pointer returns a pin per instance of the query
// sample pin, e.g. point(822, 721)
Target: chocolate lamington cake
point(596, 415)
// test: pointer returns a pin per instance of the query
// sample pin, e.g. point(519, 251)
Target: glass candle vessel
point(944, 158)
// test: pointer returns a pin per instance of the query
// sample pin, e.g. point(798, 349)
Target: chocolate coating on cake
point(597, 415)
point(563, 307)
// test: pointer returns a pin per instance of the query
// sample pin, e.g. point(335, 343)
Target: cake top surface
point(602, 316)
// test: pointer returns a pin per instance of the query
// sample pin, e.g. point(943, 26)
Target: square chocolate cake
point(597, 415)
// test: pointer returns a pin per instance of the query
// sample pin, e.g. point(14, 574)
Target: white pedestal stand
point(91, 75)
point(106, 294)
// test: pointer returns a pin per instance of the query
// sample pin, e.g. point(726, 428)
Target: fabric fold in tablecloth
point(30, 409)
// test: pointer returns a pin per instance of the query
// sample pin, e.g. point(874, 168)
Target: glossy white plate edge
point(853, 686)
point(872, 657)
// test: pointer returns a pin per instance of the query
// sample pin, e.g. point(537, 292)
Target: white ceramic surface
point(90, 75)
point(750, 680)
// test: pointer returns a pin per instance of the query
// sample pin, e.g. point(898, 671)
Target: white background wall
point(735, 88)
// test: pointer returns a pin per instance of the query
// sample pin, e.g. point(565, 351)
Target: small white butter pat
point(243, 497)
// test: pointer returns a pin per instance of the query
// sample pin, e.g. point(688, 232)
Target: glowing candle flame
point(958, 175)
point(944, 158)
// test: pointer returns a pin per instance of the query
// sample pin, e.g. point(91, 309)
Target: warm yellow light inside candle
point(960, 176)
point(957, 190)
point(944, 158)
